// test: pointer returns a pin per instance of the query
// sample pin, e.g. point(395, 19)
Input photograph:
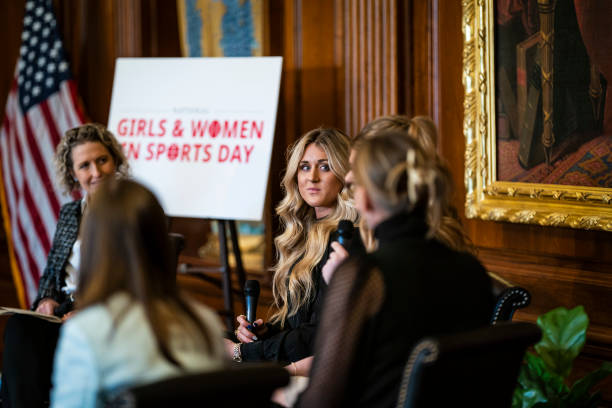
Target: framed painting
point(538, 111)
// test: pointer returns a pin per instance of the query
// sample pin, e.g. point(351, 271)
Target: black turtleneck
point(400, 225)
point(429, 290)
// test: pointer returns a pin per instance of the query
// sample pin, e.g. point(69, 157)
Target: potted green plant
point(543, 378)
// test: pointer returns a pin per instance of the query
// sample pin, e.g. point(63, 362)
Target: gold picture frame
point(488, 198)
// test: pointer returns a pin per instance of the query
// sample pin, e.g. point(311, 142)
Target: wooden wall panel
point(559, 266)
point(369, 54)
point(340, 69)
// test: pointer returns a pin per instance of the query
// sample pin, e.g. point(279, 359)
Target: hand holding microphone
point(251, 297)
point(248, 326)
point(340, 249)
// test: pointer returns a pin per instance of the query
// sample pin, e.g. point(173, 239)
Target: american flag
point(41, 106)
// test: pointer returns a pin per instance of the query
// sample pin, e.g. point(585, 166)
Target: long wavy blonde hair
point(422, 130)
point(303, 241)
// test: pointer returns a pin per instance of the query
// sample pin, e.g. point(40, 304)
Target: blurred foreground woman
point(412, 286)
point(132, 325)
point(85, 157)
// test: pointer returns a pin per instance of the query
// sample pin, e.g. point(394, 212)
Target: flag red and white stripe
point(40, 107)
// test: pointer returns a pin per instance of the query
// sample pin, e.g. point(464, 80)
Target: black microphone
point(345, 233)
point(251, 296)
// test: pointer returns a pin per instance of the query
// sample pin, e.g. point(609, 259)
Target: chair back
point(249, 385)
point(478, 368)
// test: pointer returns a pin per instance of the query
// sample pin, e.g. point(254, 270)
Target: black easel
point(226, 280)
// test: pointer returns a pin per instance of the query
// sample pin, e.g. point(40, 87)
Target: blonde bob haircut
point(90, 132)
point(303, 242)
point(400, 177)
point(423, 132)
point(420, 129)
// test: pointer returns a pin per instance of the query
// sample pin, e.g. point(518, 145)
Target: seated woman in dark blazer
point(85, 156)
point(315, 201)
point(411, 286)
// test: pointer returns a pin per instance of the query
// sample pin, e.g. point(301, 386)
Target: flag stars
point(41, 66)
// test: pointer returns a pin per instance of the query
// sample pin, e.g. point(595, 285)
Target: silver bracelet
point(237, 357)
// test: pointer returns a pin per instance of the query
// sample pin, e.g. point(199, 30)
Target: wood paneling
point(559, 266)
point(340, 68)
point(369, 55)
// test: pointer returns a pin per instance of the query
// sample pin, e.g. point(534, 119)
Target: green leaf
point(563, 336)
point(539, 375)
point(517, 397)
point(579, 394)
point(537, 384)
point(530, 388)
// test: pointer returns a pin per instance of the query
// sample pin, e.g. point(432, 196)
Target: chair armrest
point(508, 302)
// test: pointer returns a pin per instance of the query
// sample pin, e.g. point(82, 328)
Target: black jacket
point(66, 233)
point(296, 340)
point(380, 305)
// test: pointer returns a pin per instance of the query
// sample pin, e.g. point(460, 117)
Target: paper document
point(11, 310)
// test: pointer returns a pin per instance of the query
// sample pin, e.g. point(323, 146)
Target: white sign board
point(198, 131)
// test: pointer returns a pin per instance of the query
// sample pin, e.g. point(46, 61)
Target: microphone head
point(251, 288)
point(345, 233)
point(345, 228)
